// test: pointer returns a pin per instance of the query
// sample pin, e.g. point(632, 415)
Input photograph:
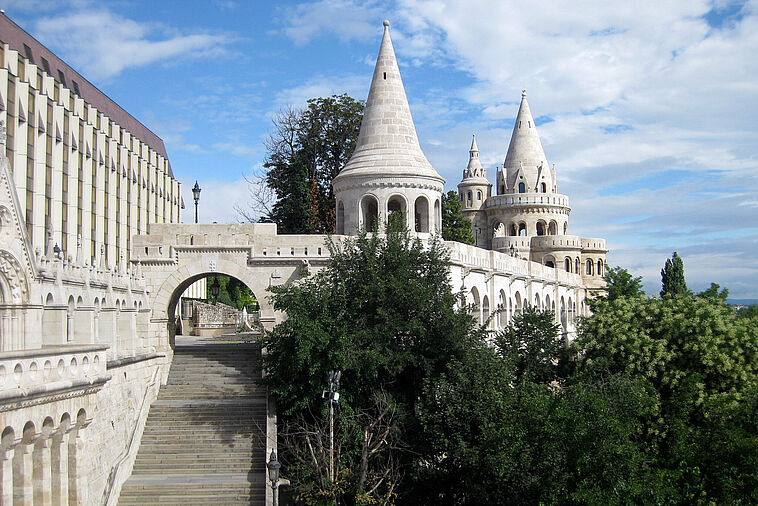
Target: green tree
point(672, 277)
point(700, 362)
point(384, 313)
point(306, 150)
point(455, 226)
point(714, 294)
point(620, 283)
point(530, 345)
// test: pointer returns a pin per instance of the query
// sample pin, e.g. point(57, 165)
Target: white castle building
point(87, 339)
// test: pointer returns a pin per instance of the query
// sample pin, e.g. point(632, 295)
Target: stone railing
point(29, 377)
point(528, 199)
point(593, 244)
point(556, 242)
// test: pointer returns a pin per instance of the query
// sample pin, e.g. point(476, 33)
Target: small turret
point(474, 188)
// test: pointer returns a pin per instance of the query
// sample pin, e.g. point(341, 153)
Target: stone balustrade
point(528, 199)
point(557, 242)
point(29, 375)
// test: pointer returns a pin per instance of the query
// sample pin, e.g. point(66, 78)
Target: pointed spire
point(474, 168)
point(387, 142)
point(525, 149)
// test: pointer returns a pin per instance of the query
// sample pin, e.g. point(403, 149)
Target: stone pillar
point(59, 454)
point(77, 479)
point(6, 475)
point(42, 470)
point(23, 473)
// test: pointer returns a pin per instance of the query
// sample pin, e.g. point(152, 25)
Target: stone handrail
point(24, 374)
point(528, 199)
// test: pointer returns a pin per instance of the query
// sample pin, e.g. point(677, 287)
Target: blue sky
point(649, 109)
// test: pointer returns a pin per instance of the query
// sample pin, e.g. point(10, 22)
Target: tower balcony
point(528, 199)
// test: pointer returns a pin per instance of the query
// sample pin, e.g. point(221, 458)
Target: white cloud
point(323, 86)
point(101, 44)
point(344, 18)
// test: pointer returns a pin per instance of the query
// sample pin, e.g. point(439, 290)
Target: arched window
point(485, 310)
point(512, 230)
point(522, 229)
point(437, 216)
point(552, 229)
point(370, 212)
point(565, 228)
point(396, 204)
point(422, 214)
point(576, 265)
point(550, 264)
point(600, 271)
point(518, 302)
point(469, 198)
point(478, 194)
point(540, 228)
point(521, 188)
point(474, 309)
point(588, 267)
point(543, 187)
point(340, 217)
point(567, 263)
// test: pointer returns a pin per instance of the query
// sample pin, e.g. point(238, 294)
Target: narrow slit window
point(385, 75)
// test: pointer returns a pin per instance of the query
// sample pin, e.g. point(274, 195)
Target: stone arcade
point(86, 348)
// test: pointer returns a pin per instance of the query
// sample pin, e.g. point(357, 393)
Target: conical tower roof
point(387, 143)
point(474, 170)
point(525, 150)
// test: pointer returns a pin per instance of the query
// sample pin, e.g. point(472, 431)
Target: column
point(42, 469)
point(59, 459)
point(77, 479)
point(6, 475)
point(23, 471)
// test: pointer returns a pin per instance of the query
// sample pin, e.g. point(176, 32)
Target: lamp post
point(273, 466)
point(196, 196)
point(332, 396)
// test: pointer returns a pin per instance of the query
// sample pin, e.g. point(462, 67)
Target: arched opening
point(396, 204)
point(369, 213)
point(70, 313)
point(522, 229)
point(340, 217)
point(588, 267)
point(518, 303)
point(564, 316)
point(228, 307)
point(552, 228)
point(576, 265)
point(422, 214)
point(51, 326)
point(485, 310)
point(537, 303)
point(521, 188)
point(468, 199)
point(512, 231)
point(474, 308)
point(547, 302)
point(571, 310)
point(600, 271)
point(543, 187)
point(540, 228)
point(502, 316)
point(565, 228)
point(478, 194)
point(567, 264)
point(437, 216)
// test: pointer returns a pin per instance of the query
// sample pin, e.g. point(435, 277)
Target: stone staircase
point(204, 438)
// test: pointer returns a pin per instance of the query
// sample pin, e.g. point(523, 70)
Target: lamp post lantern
point(196, 195)
point(215, 286)
point(332, 396)
point(273, 466)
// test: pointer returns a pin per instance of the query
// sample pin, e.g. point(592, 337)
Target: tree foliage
point(672, 277)
point(306, 150)
point(384, 313)
point(620, 283)
point(455, 226)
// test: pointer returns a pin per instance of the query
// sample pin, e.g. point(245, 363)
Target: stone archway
point(166, 298)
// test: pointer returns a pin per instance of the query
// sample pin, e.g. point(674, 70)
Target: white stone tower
point(388, 172)
point(474, 190)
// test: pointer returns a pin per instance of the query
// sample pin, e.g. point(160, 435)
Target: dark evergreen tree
point(306, 151)
point(672, 278)
point(455, 226)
